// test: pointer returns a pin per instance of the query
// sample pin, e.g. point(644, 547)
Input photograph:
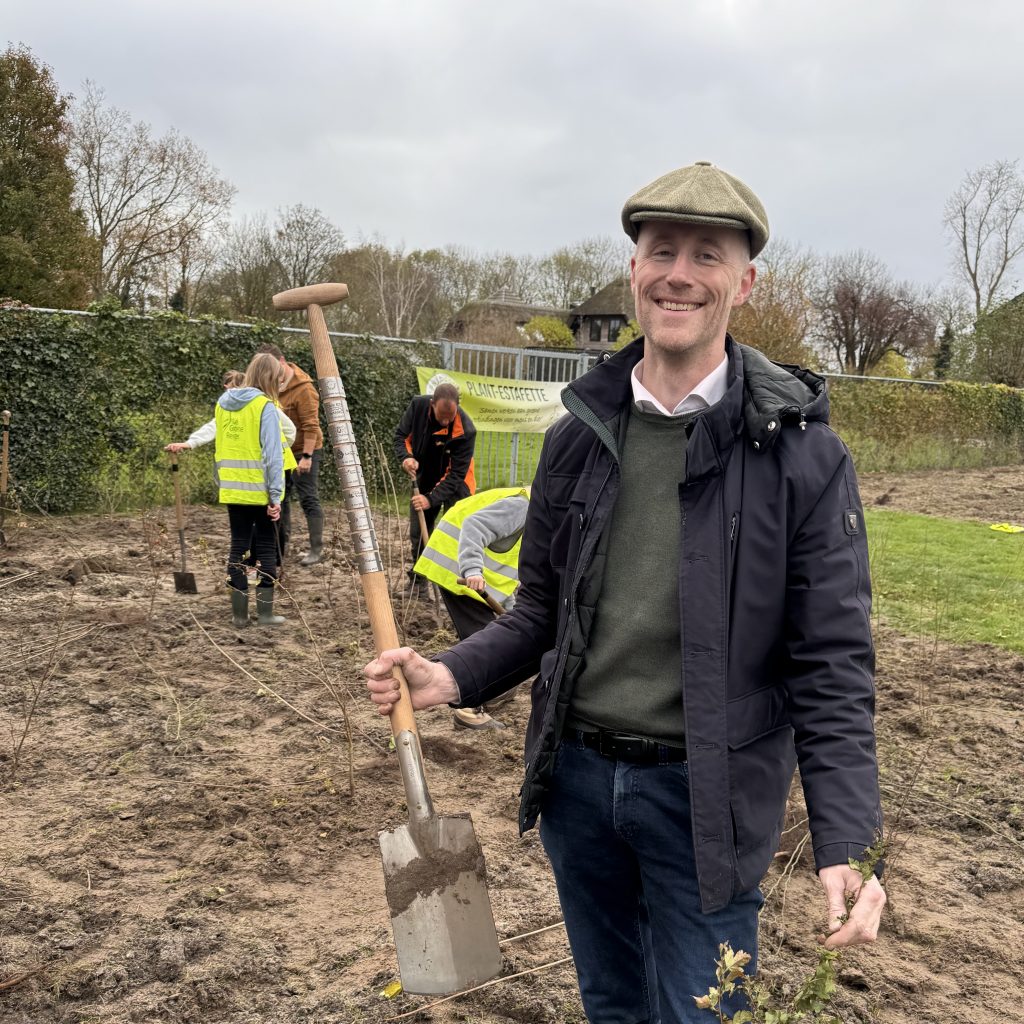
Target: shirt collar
point(709, 391)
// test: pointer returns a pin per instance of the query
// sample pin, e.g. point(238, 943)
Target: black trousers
point(303, 485)
point(252, 530)
point(468, 615)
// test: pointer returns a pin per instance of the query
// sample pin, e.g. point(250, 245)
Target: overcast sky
point(523, 126)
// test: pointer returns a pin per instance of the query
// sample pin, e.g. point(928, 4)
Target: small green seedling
point(809, 1005)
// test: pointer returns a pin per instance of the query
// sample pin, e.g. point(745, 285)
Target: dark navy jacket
point(774, 602)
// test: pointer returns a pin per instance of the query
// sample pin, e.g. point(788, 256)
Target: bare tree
point(986, 218)
point(247, 274)
point(305, 242)
point(390, 290)
point(863, 314)
point(954, 320)
point(505, 272)
point(571, 274)
point(458, 274)
point(778, 317)
point(145, 198)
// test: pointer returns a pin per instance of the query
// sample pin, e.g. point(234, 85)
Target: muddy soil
point(190, 812)
point(992, 495)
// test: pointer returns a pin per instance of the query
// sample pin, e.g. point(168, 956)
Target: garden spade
point(424, 532)
point(434, 874)
point(184, 581)
point(490, 601)
point(3, 477)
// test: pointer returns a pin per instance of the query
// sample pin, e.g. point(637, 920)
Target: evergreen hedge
point(95, 398)
point(898, 426)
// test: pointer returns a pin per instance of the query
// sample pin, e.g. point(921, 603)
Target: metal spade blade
point(435, 881)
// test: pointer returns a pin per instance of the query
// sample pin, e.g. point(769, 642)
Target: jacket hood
point(238, 398)
point(776, 393)
point(299, 377)
point(761, 395)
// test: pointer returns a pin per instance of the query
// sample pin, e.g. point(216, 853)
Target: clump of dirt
point(191, 812)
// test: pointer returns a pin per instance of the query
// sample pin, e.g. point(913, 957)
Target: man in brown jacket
point(301, 403)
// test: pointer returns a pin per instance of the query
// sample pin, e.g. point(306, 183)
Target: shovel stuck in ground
point(3, 476)
point(184, 581)
point(434, 874)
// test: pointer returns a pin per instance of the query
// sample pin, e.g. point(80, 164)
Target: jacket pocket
point(755, 714)
point(761, 763)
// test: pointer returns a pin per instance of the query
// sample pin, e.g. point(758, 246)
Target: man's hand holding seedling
point(856, 923)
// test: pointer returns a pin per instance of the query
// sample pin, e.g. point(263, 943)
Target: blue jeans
point(619, 839)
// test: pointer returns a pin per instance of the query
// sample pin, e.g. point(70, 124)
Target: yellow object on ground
point(1007, 528)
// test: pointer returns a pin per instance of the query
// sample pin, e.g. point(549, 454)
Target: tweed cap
point(699, 194)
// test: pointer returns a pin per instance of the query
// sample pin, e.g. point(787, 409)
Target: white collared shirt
point(709, 391)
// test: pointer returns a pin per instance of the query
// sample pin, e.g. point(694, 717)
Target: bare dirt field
point(190, 813)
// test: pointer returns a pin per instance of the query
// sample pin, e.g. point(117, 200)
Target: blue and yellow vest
point(439, 561)
point(239, 455)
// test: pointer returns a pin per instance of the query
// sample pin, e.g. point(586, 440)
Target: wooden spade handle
point(179, 513)
point(353, 487)
point(3, 459)
point(491, 603)
point(385, 638)
point(424, 532)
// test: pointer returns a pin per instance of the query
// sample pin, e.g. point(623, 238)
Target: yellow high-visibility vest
point(239, 455)
point(439, 561)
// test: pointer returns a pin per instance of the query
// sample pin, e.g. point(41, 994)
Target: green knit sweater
point(631, 679)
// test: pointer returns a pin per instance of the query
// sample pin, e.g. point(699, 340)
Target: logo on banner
point(438, 378)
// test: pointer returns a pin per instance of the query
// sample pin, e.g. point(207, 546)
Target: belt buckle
point(628, 748)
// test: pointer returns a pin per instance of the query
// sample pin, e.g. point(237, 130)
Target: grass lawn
point(958, 580)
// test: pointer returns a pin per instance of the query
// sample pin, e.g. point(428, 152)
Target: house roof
point(613, 299)
point(507, 304)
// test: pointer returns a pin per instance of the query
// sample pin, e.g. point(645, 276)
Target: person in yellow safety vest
point(477, 540)
point(208, 431)
point(250, 478)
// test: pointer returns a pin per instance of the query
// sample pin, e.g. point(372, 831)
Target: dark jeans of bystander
point(303, 486)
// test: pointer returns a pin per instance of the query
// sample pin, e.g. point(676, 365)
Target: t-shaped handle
point(311, 295)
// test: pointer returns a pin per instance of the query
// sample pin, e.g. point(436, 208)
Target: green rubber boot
point(239, 608)
point(315, 555)
point(265, 608)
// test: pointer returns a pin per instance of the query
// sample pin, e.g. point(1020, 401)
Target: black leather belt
point(623, 747)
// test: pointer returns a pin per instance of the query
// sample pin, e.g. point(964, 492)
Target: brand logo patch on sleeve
point(851, 521)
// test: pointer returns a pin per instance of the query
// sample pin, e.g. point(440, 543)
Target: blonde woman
point(208, 431)
point(250, 477)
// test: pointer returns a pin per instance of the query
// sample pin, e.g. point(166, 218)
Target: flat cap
point(699, 194)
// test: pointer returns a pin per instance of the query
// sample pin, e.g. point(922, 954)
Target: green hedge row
point(896, 426)
point(95, 398)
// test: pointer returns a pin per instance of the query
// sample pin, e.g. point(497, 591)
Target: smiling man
point(694, 590)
